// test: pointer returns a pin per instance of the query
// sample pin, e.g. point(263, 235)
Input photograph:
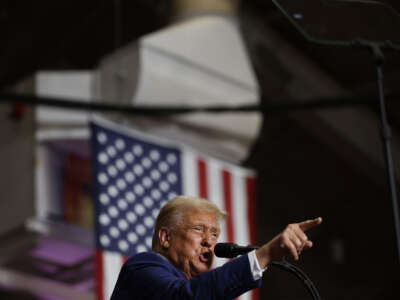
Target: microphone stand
point(386, 132)
point(284, 265)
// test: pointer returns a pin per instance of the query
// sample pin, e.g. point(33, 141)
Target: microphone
point(231, 250)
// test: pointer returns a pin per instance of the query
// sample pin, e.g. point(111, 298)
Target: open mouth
point(205, 257)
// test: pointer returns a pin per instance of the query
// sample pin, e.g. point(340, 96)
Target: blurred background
point(309, 161)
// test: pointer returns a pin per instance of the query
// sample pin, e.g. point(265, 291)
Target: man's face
point(191, 244)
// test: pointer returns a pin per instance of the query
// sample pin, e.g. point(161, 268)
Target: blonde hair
point(172, 213)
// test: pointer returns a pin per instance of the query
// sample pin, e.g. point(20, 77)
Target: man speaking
point(180, 265)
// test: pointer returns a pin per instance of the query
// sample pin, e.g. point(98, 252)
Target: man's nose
point(207, 240)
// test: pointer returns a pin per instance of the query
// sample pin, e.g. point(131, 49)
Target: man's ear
point(164, 237)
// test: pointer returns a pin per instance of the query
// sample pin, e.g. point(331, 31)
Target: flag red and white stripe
point(230, 187)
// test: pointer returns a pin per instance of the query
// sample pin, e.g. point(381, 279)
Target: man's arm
point(291, 241)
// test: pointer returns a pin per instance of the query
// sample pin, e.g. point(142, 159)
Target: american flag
point(135, 174)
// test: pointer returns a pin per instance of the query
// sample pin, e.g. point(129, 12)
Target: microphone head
point(225, 250)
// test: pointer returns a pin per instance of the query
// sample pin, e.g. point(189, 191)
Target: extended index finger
point(310, 224)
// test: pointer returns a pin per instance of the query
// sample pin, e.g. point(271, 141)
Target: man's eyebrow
point(217, 229)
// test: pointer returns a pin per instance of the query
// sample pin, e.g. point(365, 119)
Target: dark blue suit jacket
point(149, 276)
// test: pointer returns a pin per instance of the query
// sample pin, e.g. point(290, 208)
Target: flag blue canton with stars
point(134, 179)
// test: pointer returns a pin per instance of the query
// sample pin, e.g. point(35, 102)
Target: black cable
point(98, 106)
